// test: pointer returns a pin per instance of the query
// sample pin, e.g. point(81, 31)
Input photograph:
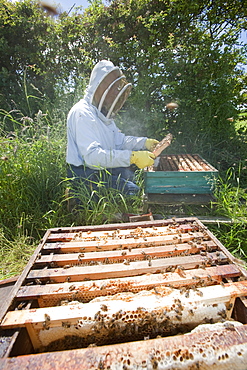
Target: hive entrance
point(99, 285)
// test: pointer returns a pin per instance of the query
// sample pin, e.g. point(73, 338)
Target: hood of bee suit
point(100, 71)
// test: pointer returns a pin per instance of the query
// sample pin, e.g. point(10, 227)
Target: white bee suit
point(93, 139)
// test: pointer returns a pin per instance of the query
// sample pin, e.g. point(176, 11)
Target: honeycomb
point(133, 316)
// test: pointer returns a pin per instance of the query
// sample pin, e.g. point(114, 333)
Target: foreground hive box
point(182, 176)
point(149, 295)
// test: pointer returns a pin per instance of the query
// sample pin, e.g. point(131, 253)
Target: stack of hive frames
point(184, 162)
point(148, 277)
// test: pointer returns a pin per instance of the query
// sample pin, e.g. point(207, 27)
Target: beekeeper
point(96, 149)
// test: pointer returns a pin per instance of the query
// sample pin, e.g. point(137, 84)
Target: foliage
point(171, 50)
point(24, 49)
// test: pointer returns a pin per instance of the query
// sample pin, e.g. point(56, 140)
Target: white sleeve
point(89, 143)
point(134, 143)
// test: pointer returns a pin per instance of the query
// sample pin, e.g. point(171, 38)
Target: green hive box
point(180, 174)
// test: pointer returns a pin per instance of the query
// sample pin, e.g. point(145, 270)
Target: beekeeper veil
point(108, 88)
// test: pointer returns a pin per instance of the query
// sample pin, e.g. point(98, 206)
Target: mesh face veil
point(114, 96)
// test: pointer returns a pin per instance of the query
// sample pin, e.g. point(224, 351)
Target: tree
point(182, 50)
point(178, 50)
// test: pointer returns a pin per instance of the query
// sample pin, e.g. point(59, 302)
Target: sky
point(67, 4)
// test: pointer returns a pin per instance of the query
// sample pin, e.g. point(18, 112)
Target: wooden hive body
point(128, 296)
point(180, 174)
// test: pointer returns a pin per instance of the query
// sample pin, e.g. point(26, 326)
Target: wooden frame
point(178, 260)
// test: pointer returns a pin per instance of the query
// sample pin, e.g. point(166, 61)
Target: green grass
point(232, 202)
point(32, 192)
point(14, 254)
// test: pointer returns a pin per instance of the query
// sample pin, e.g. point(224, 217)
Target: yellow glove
point(151, 144)
point(142, 159)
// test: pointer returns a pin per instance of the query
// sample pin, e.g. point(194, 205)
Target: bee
point(229, 306)
point(126, 262)
point(180, 272)
point(80, 256)
point(21, 305)
point(119, 314)
point(98, 316)
point(154, 363)
point(103, 286)
point(199, 293)
point(46, 323)
point(72, 287)
point(140, 309)
point(104, 307)
point(73, 297)
point(66, 266)
point(229, 326)
point(156, 291)
point(65, 324)
point(49, 9)
point(209, 277)
point(222, 313)
point(208, 321)
point(187, 294)
point(195, 277)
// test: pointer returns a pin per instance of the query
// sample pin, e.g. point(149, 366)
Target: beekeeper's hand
point(150, 144)
point(142, 159)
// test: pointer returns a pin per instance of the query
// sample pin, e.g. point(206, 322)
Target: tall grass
point(232, 203)
point(231, 197)
point(31, 174)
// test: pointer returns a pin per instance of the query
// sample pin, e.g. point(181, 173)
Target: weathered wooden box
point(180, 174)
point(147, 295)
